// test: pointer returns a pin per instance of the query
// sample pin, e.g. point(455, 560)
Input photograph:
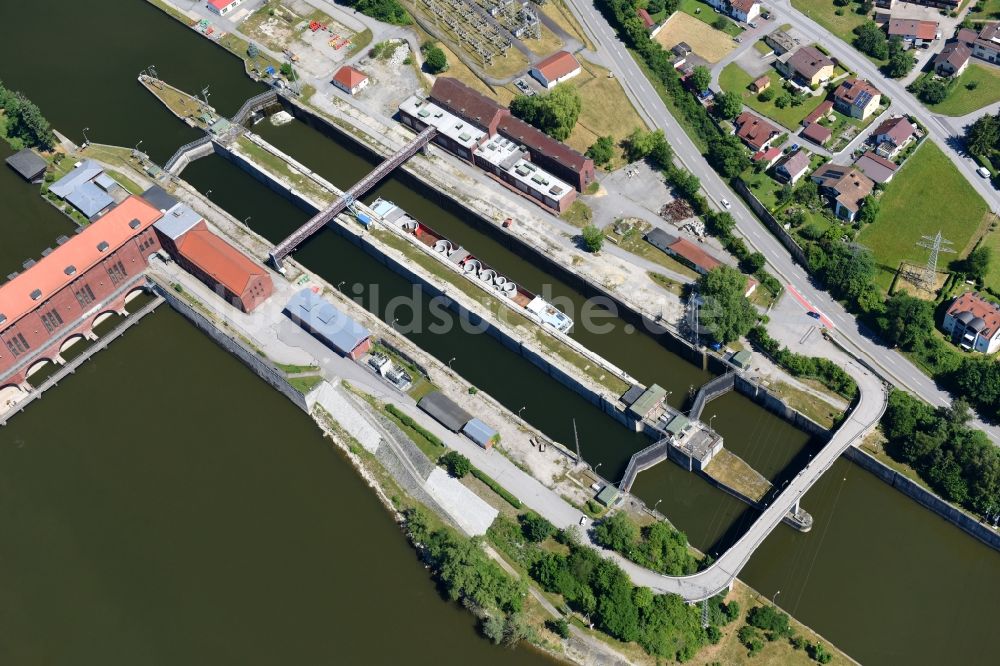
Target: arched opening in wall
point(104, 322)
point(10, 395)
point(134, 294)
point(70, 342)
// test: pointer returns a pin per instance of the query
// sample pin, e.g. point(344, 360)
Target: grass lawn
point(578, 214)
point(606, 111)
point(705, 13)
point(992, 241)
point(548, 43)
point(564, 18)
point(707, 42)
point(845, 128)
point(961, 100)
point(928, 194)
point(990, 11)
point(762, 48)
point(822, 11)
point(734, 79)
point(634, 243)
point(305, 384)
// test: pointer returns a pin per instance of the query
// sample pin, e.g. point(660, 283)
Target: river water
point(884, 579)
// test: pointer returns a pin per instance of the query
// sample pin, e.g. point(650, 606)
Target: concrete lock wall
point(915, 491)
point(776, 405)
point(250, 358)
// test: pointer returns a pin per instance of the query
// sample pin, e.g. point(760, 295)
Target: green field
point(990, 11)
point(961, 100)
point(704, 12)
point(926, 196)
point(992, 241)
point(734, 79)
point(822, 11)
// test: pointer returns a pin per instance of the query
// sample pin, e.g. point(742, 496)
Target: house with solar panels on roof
point(856, 98)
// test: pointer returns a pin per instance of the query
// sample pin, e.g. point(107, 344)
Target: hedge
point(496, 487)
point(410, 423)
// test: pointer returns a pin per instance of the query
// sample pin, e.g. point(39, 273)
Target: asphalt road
point(891, 364)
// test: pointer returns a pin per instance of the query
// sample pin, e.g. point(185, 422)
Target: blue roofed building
point(328, 324)
point(89, 199)
point(87, 171)
point(481, 434)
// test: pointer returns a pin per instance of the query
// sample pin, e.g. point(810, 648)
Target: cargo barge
point(532, 306)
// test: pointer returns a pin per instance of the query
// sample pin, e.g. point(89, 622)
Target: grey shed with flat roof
point(651, 398)
point(607, 495)
point(444, 410)
point(28, 163)
point(159, 198)
point(177, 221)
point(89, 199)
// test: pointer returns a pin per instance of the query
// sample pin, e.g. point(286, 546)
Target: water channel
point(884, 579)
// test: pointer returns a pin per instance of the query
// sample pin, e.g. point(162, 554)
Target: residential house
point(987, 44)
point(780, 41)
point(79, 188)
point(792, 167)
point(974, 323)
point(846, 187)
point(681, 49)
point(760, 85)
point(555, 69)
point(876, 167)
point(683, 250)
point(817, 113)
point(967, 36)
point(892, 135)
point(856, 98)
point(816, 133)
point(744, 10)
point(953, 59)
point(350, 80)
point(807, 65)
point(885, 4)
point(754, 131)
point(767, 157)
point(948, 5)
point(913, 32)
point(647, 21)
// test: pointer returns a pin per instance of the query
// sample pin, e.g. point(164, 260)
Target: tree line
point(957, 461)
point(658, 546)
point(24, 120)
point(388, 11)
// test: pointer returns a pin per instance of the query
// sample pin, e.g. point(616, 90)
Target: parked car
point(726, 204)
point(583, 520)
point(813, 314)
point(753, 25)
point(715, 346)
point(983, 171)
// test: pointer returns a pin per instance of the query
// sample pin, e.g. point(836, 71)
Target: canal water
point(886, 580)
point(165, 506)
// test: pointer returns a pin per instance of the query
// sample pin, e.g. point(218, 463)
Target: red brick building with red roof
point(234, 276)
point(350, 80)
point(59, 298)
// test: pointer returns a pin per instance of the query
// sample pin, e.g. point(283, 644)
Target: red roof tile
point(755, 131)
point(223, 262)
point(816, 133)
point(972, 302)
point(817, 113)
point(921, 29)
point(697, 256)
point(558, 65)
point(349, 77)
point(82, 252)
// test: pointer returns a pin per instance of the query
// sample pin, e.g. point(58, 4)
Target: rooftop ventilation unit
point(70, 270)
point(47, 251)
point(36, 294)
point(61, 240)
point(28, 264)
point(134, 224)
point(3, 318)
point(102, 246)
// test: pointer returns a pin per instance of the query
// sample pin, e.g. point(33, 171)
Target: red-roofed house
point(755, 132)
point(817, 113)
point(846, 186)
point(913, 31)
point(222, 7)
point(687, 252)
point(767, 157)
point(816, 133)
point(350, 80)
point(647, 21)
point(876, 167)
point(974, 323)
point(59, 298)
point(238, 279)
point(761, 84)
point(892, 135)
point(856, 98)
point(953, 59)
point(793, 167)
point(555, 69)
point(744, 10)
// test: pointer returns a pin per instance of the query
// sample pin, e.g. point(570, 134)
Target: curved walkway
point(718, 577)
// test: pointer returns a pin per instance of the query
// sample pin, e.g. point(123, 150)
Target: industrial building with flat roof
point(329, 325)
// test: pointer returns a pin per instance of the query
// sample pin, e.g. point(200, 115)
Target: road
point(892, 364)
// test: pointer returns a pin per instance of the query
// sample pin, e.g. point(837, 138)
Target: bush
point(751, 639)
point(434, 58)
point(602, 151)
point(456, 464)
point(388, 11)
point(593, 238)
point(559, 627)
point(770, 620)
point(535, 528)
point(766, 95)
point(496, 487)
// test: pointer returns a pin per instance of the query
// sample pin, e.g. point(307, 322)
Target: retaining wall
point(776, 405)
point(770, 222)
point(250, 358)
point(915, 491)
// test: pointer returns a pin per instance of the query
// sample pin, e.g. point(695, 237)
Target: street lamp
point(450, 361)
point(521, 410)
point(85, 139)
point(340, 283)
point(598, 467)
point(657, 503)
point(775, 596)
point(137, 145)
point(246, 222)
point(394, 322)
point(711, 420)
point(208, 192)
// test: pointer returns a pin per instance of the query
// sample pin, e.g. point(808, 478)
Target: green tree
point(870, 39)
point(869, 210)
point(456, 464)
point(849, 270)
point(701, 78)
point(751, 639)
point(388, 11)
point(535, 528)
point(900, 64)
point(726, 312)
point(602, 151)
point(771, 620)
point(559, 627)
point(907, 321)
point(728, 156)
point(983, 136)
point(287, 70)
point(617, 532)
point(555, 113)
point(766, 95)
point(593, 238)
point(728, 105)
point(977, 264)
point(435, 59)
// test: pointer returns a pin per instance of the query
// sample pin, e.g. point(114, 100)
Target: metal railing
point(254, 104)
point(649, 456)
point(712, 389)
point(323, 217)
point(180, 152)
